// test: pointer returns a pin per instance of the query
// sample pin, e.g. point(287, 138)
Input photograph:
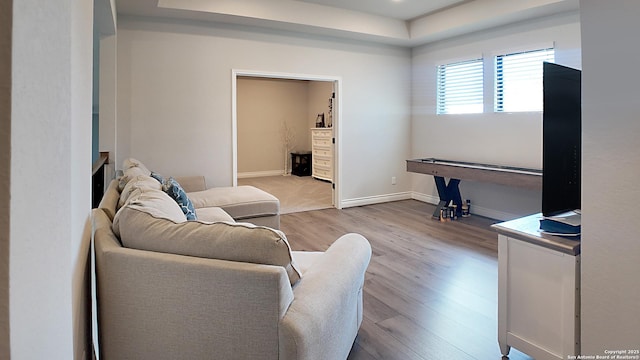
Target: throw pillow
point(158, 177)
point(141, 229)
point(177, 193)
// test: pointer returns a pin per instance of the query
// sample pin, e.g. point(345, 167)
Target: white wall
point(493, 138)
point(5, 176)
point(610, 173)
point(174, 98)
point(107, 99)
point(50, 178)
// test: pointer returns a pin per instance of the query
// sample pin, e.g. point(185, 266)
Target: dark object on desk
point(565, 224)
point(301, 163)
point(458, 170)
point(557, 228)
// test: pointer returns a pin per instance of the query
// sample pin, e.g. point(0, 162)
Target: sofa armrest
point(192, 183)
point(165, 306)
point(325, 315)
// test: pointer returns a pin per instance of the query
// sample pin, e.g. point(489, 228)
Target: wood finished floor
point(431, 288)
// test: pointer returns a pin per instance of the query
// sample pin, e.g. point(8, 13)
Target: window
point(460, 88)
point(518, 82)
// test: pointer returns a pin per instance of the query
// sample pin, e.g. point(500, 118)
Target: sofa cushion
point(110, 198)
point(131, 163)
point(140, 229)
point(153, 201)
point(213, 214)
point(305, 259)
point(241, 202)
point(177, 193)
point(137, 182)
point(192, 183)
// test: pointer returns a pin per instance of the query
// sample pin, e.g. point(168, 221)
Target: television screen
point(561, 139)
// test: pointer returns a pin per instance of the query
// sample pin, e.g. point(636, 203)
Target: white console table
point(538, 291)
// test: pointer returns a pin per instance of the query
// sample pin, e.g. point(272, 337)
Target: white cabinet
point(322, 153)
point(538, 291)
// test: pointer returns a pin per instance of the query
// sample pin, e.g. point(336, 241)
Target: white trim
point(336, 123)
point(234, 128)
point(524, 47)
point(377, 199)
point(429, 199)
point(255, 174)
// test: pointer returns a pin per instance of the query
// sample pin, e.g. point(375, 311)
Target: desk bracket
point(448, 193)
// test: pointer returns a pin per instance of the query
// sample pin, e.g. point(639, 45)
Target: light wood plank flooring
point(431, 288)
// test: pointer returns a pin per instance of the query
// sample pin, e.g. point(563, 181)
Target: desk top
point(504, 175)
point(528, 229)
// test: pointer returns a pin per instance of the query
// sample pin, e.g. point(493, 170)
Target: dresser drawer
point(322, 141)
point(322, 173)
point(322, 133)
point(322, 162)
point(322, 152)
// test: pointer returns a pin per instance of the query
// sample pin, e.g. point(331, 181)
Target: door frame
point(336, 120)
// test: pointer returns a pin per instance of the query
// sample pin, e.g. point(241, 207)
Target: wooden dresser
point(322, 153)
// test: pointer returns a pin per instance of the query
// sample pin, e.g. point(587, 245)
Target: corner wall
point(50, 179)
point(174, 98)
point(610, 292)
point(513, 139)
point(6, 16)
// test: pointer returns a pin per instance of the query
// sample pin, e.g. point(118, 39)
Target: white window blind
point(460, 89)
point(518, 82)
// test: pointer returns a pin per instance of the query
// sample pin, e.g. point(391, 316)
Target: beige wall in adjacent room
point(319, 94)
point(263, 105)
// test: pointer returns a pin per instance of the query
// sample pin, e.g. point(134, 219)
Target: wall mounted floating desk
point(460, 170)
point(538, 291)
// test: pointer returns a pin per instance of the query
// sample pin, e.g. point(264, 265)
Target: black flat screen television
point(561, 139)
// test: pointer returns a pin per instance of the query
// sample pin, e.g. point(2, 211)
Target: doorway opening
point(278, 119)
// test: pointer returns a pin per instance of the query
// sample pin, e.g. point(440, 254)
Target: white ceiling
point(397, 9)
point(397, 22)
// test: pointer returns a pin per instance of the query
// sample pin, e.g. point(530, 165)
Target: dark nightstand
point(301, 163)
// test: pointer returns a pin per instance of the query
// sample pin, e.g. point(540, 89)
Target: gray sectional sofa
point(217, 287)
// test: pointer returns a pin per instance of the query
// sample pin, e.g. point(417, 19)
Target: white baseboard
point(254, 174)
point(429, 199)
point(370, 200)
point(478, 210)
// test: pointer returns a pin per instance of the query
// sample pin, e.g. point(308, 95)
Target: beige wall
point(319, 93)
point(263, 104)
point(5, 174)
